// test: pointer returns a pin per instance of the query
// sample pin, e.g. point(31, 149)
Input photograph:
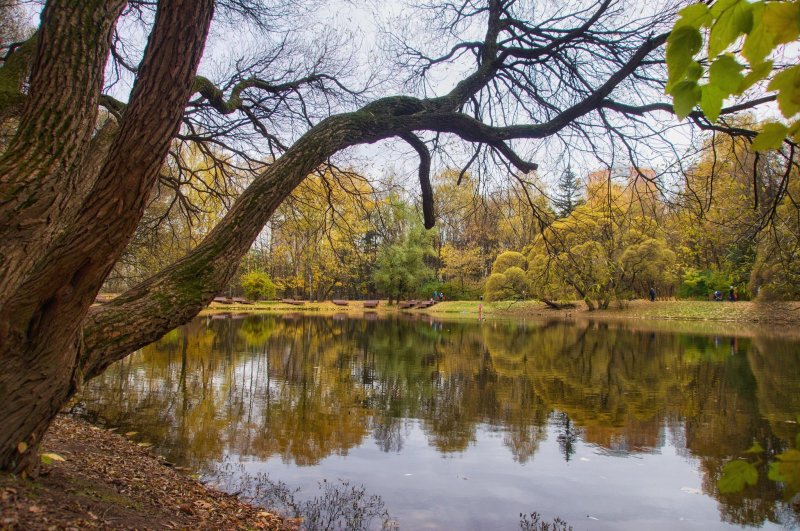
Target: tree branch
point(419, 146)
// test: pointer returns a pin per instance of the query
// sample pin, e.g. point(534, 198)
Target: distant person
point(652, 294)
point(441, 296)
point(717, 295)
point(732, 294)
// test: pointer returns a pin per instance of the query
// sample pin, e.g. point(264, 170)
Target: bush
point(257, 285)
point(699, 284)
point(513, 284)
point(509, 259)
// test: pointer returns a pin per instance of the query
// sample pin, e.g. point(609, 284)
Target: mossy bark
point(41, 315)
point(38, 171)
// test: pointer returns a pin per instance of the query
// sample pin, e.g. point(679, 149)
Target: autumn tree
point(776, 268)
point(317, 236)
point(73, 190)
point(605, 250)
point(475, 224)
point(258, 285)
point(193, 192)
point(461, 269)
point(727, 200)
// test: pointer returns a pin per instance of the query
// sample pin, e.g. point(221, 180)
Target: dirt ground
point(108, 482)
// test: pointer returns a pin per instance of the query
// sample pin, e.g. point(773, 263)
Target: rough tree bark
point(54, 266)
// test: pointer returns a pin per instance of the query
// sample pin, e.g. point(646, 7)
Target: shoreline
point(741, 318)
point(99, 479)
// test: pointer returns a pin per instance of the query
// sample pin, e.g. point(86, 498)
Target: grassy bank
point(743, 311)
point(740, 318)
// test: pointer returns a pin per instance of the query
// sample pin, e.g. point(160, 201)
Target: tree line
point(608, 235)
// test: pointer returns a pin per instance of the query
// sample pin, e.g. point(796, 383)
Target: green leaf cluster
point(738, 35)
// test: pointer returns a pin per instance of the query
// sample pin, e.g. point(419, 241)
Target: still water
point(463, 425)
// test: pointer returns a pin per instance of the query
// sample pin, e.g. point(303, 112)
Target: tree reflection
point(304, 388)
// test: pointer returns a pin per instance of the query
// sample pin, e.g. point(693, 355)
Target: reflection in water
point(306, 389)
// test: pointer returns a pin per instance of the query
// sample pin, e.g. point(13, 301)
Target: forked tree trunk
point(41, 336)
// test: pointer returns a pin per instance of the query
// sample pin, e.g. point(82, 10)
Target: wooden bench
point(222, 300)
point(240, 300)
point(371, 304)
point(407, 304)
point(293, 302)
point(339, 302)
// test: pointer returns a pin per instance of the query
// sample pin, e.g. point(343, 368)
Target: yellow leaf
point(50, 458)
point(22, 447)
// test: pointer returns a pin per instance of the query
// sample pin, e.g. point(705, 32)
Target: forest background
point(607, 235)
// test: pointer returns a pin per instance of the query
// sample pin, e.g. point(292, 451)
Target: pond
point(466, 425)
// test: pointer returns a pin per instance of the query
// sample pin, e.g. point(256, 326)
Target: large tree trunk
point(41, 340)
point(39, 170)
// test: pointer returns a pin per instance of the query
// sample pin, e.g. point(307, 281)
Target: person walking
point(731, 294)
point(652, 294)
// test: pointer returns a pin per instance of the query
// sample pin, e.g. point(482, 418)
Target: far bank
point(714, 317)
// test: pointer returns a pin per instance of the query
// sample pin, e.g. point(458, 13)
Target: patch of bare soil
point(108, 482)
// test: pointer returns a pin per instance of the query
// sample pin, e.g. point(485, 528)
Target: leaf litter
point(91, 478)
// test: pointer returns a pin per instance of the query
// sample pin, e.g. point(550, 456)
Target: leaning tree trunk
point(41, 341)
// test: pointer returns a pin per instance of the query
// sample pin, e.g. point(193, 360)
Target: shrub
point(257, 285)
point(513, 284)
point(509, 259)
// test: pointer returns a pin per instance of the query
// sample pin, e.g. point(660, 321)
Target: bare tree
point(72, 193)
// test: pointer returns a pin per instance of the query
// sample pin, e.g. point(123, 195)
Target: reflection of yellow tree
point(603, 376)
point(303, 389)
point(776, 369)
point(317, 413)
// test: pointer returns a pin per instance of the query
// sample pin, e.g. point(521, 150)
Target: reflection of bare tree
point(388, 433)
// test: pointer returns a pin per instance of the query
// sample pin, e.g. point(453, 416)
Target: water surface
point(467, 425)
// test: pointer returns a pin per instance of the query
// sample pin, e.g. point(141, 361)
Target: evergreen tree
point(568, 192)
point(401, 267)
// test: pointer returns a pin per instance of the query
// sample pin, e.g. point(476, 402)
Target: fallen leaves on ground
point(108, 482)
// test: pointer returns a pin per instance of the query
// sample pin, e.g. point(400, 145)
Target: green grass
point(638, 309)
